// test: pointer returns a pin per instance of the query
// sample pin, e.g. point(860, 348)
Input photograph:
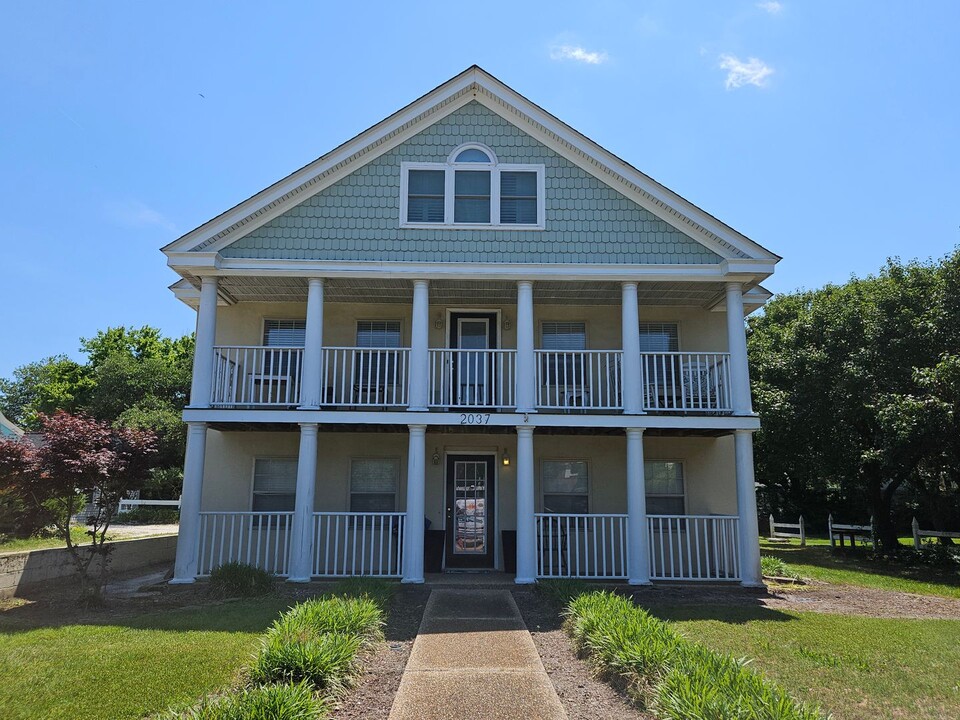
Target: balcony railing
point(694, 547)
point(579, 379)
point(365, 377)
point(354, 543)
point(581, 546)
point(256, 376)
point(472, 379)
point(686, 382)
point(261, 539)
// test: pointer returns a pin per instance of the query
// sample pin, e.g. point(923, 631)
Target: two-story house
point(473, 338)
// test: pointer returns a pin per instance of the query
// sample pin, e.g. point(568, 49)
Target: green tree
point(54, 383)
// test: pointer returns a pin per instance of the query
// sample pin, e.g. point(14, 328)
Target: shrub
point(678, 679)
point(149, 516)
point(239, 580)
point(561, 590)
point(326, 661)
point(358, 616)
point(775, 567)
point(265, 702)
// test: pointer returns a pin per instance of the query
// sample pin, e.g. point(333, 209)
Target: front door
point(472, 376)
point(470, 511)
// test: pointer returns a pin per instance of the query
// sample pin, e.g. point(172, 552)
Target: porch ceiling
point(453, 292)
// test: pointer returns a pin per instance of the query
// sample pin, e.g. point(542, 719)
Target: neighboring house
point(9, 431)
point(473, 315)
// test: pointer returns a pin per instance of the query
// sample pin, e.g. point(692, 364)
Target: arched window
point(472, 189)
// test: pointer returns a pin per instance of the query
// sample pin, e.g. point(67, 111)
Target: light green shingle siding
point(358, 217)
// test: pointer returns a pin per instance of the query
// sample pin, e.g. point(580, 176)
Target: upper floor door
point(472, 371)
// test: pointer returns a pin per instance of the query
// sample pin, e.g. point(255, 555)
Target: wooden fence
point(788, 530)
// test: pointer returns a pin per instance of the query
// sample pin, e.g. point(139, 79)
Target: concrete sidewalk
point(474, 659)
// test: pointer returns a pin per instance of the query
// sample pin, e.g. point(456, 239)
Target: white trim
point(497, 559)
point(452, 157)
point(442, 101)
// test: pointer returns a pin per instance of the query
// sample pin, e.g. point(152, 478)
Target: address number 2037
point(474, 418)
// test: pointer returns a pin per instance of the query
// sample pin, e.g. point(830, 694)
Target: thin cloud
point(771, 6)
point(135, 214)
point(575, 52)
point(739, 73)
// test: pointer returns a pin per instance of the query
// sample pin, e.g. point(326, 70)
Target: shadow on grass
point(730, 614)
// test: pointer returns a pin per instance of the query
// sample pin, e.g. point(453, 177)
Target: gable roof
point(474, 84)
point(9, 431)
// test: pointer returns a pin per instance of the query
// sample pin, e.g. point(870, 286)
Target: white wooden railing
point(365, 377)
point(261, 539)
point(694, 547)
point(581, 546)
point(126, 505)
point(354, 543)
point(253, 375)
point(472, 378)
point(579, 379)
point(686, 382)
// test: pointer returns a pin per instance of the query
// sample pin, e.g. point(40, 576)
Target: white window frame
point(450, 168)
point(589, 493)
point(683, 477)
point(253, 479)
point(396, 490)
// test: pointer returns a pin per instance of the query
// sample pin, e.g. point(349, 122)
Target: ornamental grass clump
point(235, 579)
point(669, 675)
point(263, 702)
point(328, 662)
point(357, 616)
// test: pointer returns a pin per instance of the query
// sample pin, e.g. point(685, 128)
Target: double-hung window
point(376, 370)
point(561, 365)
point(373, 484)
point(664, 482)
point(566, 486)
point(274, 484)
point(282, 335)
point(472, 189)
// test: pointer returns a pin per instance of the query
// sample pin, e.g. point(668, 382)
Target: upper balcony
point(367, 378)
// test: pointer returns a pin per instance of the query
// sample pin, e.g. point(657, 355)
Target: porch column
point(419, 352)
point(747, 510)
point(413, 527)
point(202, 385)
point(630, 333)
point(188, 539)
point(638, 566)
point(301, 531)
point(311, 382)
point(526, 522)
point(526, 362)
point(737, 347)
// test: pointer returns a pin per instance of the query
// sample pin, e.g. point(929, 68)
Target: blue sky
point(827, 131)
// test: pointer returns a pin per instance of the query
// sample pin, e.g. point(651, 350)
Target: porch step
point(474, 659)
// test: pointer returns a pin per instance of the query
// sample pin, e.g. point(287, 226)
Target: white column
point(747, 510)
point(311, 382)
point(639, 558)
point(737, 346)
point(419, 347)
point(188, 539)
point(413, 529)
point(526, 522)
point(301, 531)
point(630, 333)
point(526, 363)
point(202, 385)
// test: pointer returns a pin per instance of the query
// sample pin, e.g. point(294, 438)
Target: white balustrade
point(686, 382)
point(472, 378)
point(356, 543)
point(256, 376)
point(261, 539)
point(365, 377)
point(694, 547)
point(579, 379)
point(581, 546)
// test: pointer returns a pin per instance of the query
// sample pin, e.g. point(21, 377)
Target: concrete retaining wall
point(32, 570)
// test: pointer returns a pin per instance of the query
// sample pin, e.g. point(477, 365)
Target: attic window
point(472, 190)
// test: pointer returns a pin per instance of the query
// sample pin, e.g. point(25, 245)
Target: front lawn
point(77, 534)
point(858, 668)
point(129, 667)
point(853, 567)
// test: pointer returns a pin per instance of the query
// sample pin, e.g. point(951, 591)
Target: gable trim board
point(472, 85)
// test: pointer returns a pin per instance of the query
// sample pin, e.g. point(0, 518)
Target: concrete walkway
point(474, 659)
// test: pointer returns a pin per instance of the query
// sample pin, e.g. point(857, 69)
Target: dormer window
point(472, 190)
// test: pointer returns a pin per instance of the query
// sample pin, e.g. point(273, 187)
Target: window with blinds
point(425, 201)
point(274, 484)
point(665, 491)
point(562, 370)
point(378, 333)
point(471, 201)
point(518, 198)
point(373, 484)
point(563, 335)
point(659, 337)
point(284, 333)
point(566, 486)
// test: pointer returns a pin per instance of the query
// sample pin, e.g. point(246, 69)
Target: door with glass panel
point(471, 372)
point(469, 530)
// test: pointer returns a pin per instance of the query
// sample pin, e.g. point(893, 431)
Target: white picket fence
point(919, 534)
point(795, 530)
point(356, 543)
point(128, 505)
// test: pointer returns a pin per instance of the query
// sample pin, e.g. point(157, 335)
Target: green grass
point(858, 668)
point(126, 668)
point(77, 534)
point(818, 562)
